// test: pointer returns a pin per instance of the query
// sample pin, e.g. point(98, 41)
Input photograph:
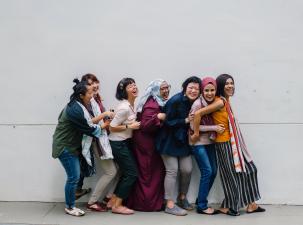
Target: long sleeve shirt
point(173, 136)
point(71, 126)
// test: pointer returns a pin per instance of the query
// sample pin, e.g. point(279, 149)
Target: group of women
point(141, 150)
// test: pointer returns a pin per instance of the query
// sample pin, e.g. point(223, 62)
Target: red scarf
point(238, 145)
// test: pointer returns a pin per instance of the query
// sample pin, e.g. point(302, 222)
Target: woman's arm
point(97, 119)
point(217, 128)
point(134, 126)
point(151, 119)
point(75, 114)
point(117, 125)
point(216, 105)
point(172, 118)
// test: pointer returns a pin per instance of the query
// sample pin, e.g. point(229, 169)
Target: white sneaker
point(74, 211)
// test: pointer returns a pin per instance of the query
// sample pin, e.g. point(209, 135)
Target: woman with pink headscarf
point(204, 149)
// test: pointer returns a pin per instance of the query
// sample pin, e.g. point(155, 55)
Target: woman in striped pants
point(237, 170)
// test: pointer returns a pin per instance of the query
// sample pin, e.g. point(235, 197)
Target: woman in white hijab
point(148, 193)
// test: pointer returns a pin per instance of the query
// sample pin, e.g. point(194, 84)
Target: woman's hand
point(161, 116)
point(220, 128)
point(108, 114)
point(106, 123)
point(103, 116)
point(190, 118)
point(194, 137)
point(134, 126)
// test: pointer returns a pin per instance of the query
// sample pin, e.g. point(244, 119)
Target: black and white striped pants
point(240, 189)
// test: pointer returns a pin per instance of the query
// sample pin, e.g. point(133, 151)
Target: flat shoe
point(122, 210)
point(176, 210)
point(97, 207)
point(213, 213)
point(259, 209)
point(230, 212)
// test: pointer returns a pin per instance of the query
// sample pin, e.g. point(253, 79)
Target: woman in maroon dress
point(148, 192)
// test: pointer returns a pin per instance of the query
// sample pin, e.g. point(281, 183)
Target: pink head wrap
point(208, 80)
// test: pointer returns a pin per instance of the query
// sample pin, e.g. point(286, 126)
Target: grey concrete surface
point(52, 213)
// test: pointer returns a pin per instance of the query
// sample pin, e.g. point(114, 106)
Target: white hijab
point(153, 89)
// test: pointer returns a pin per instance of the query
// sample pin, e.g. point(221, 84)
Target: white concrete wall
point(45, 44)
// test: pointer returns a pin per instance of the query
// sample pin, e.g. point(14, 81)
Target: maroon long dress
point(148, 192)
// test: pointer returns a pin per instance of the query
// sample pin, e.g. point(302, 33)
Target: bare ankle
point(170, 204)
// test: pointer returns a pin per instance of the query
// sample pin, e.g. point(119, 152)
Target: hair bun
point(76, 81)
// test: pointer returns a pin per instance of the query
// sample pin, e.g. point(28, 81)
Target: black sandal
point(230, 212)
point(259, 209)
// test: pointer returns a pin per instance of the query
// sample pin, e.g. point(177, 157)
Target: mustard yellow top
point(221, 117)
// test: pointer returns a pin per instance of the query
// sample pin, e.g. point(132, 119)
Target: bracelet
point(126, 126)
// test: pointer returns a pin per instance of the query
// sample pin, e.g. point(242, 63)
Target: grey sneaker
point(176, 210)
point(184, 204)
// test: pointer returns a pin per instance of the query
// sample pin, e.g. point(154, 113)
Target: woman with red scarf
point(237, 170)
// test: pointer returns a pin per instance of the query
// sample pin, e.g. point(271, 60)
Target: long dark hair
point(221, 81)
point(121, 88)
point(80, 88)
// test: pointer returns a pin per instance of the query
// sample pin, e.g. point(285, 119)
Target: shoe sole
point(76, 215)
point(188, 209)
point(126, 214)
point(94, 210)
point(228, 213)
point(176, 214)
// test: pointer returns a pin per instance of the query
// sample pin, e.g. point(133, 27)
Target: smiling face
point(192, 91)
point(132, 91)
point(209, 92)
point(229, 88)
point(164, 90)
point(88, 95)
point(95, 86)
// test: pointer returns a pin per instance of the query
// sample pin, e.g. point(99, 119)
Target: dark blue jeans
point(205, 156)
point(71, 165)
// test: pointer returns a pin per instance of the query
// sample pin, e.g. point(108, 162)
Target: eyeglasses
point(165, 88)
point(193, 88)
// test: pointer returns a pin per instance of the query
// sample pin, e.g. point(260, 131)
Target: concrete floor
point(52, 213)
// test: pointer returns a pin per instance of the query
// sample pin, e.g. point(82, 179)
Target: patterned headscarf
point(153, 89)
